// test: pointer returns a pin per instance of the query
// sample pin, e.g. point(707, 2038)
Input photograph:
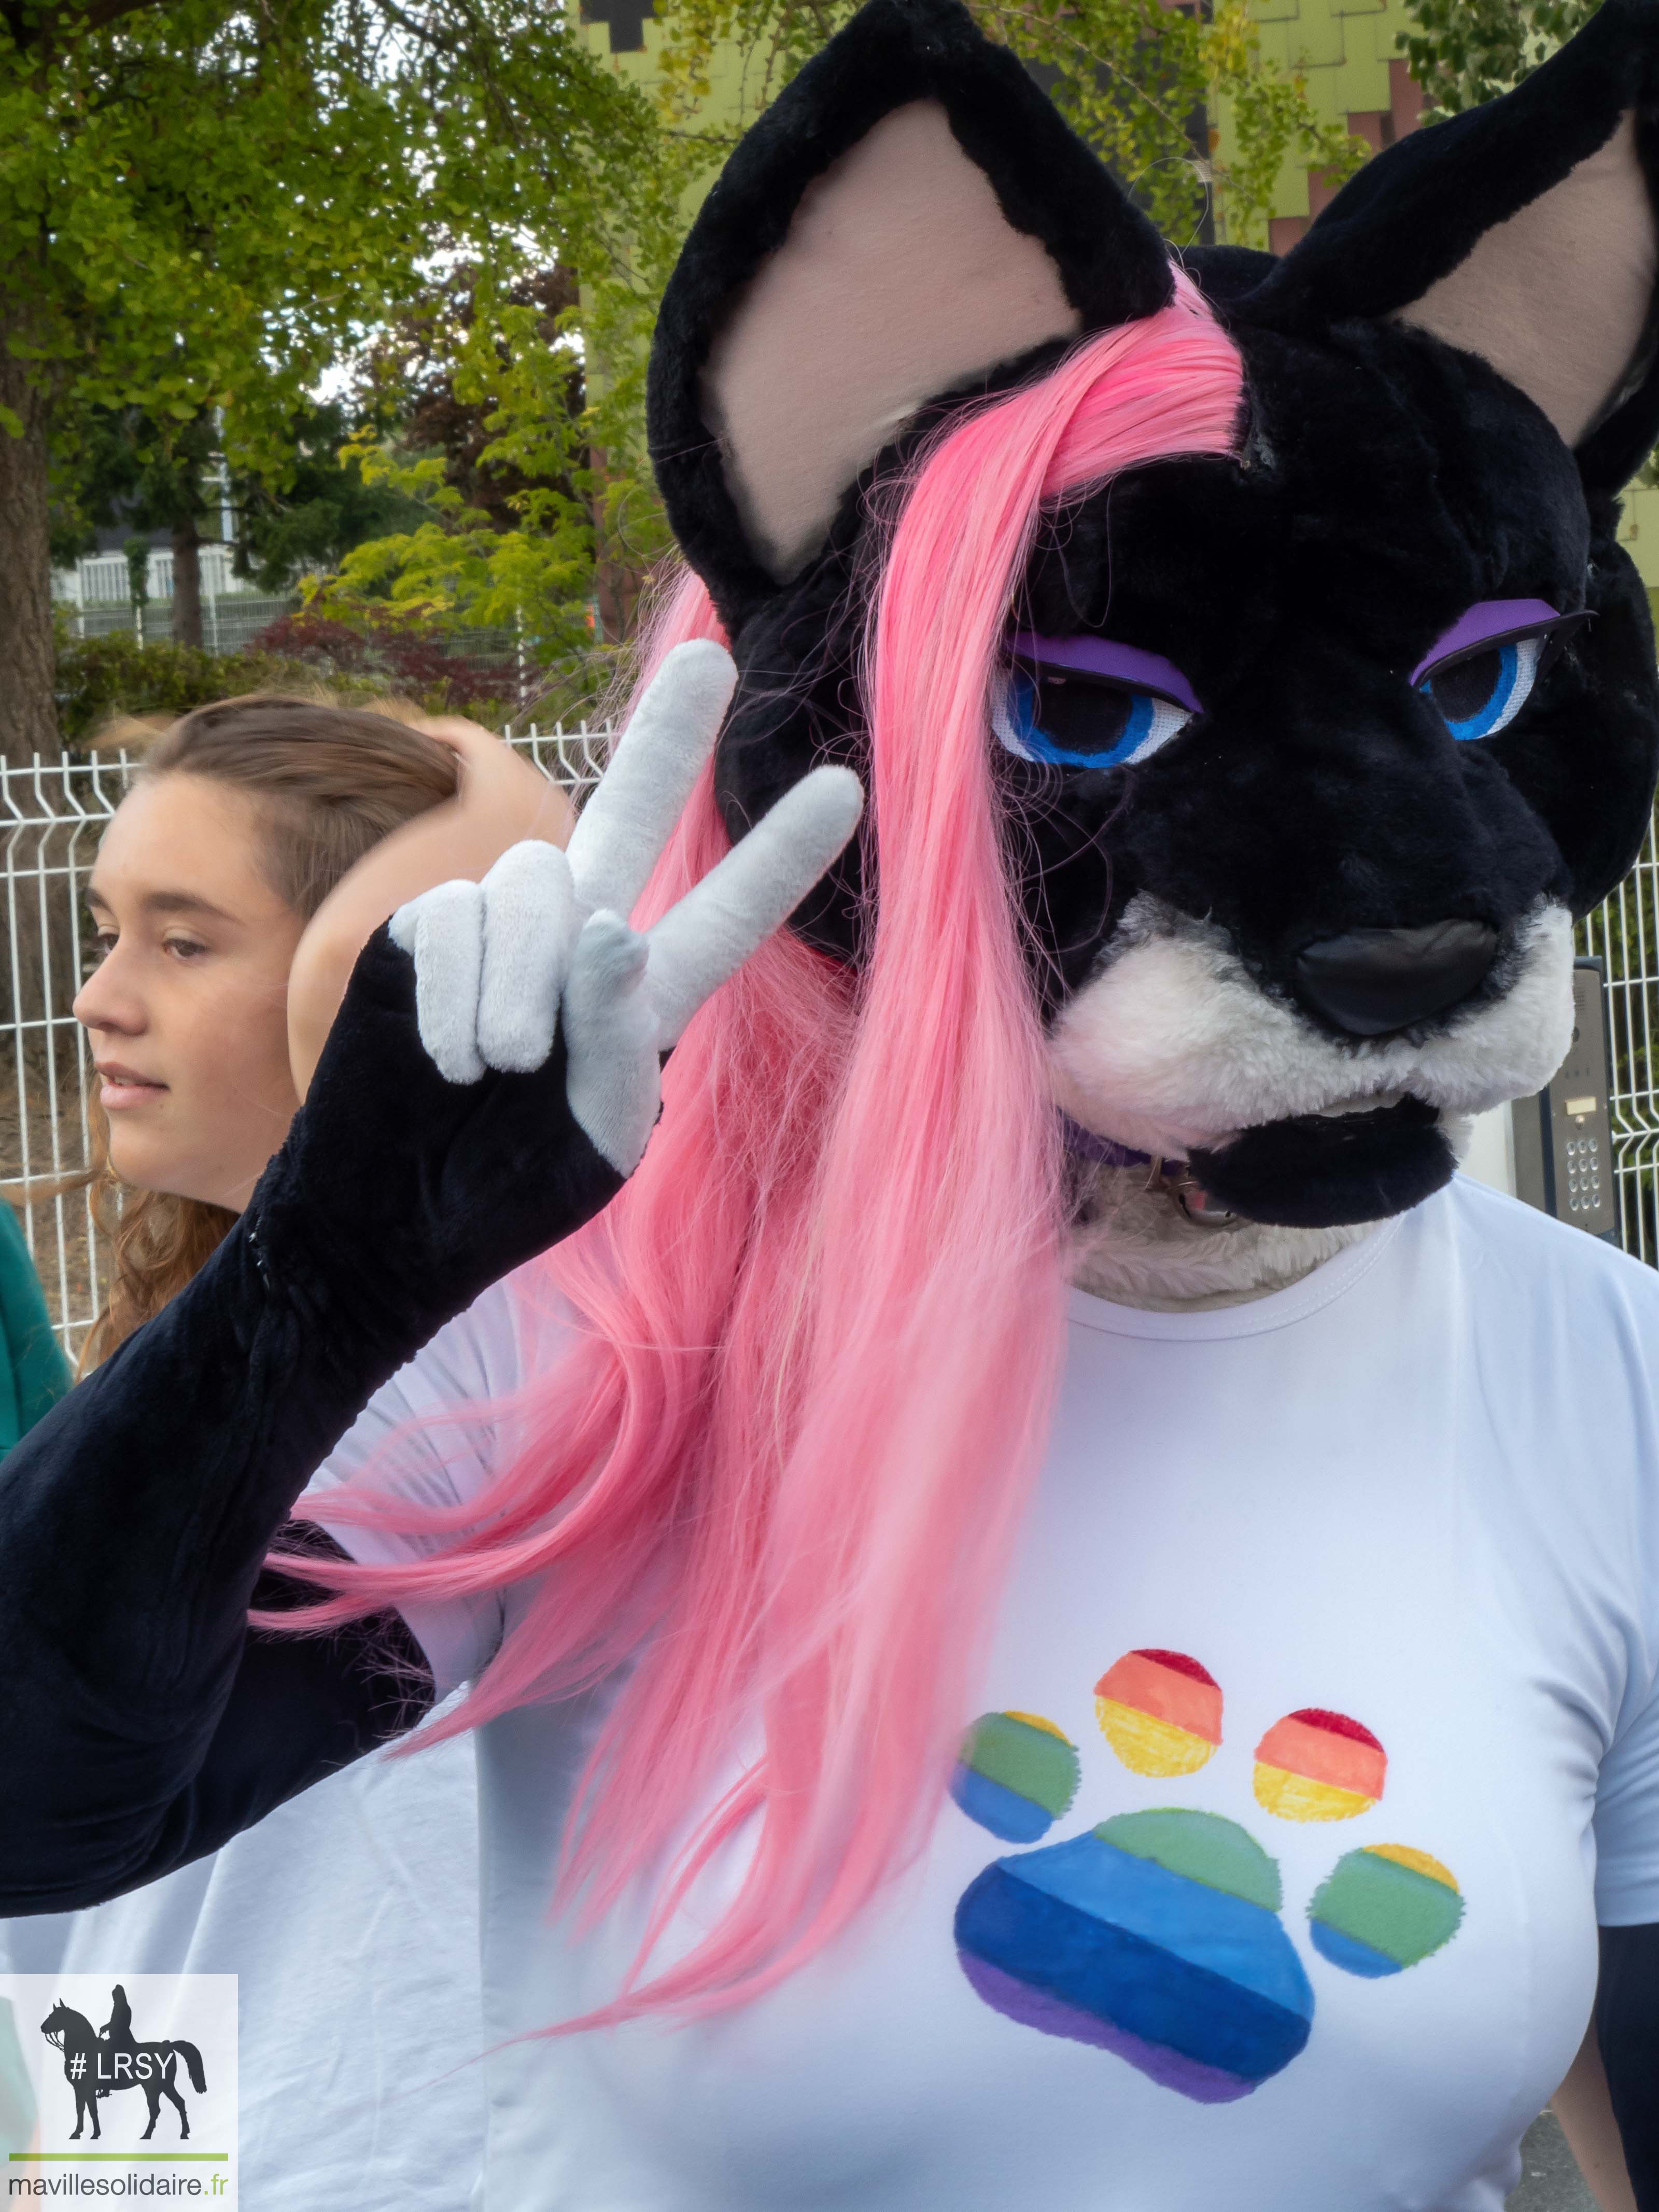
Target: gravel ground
point(1551, 2181)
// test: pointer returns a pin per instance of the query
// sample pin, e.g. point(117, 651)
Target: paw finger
point(749, 893)
point(443, 931)
point(529, 924)
point(612, 1074)
point(657, 759)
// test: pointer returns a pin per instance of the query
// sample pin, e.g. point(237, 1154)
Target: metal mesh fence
point(469, 666)
point(51, 816)
point(1621, 933)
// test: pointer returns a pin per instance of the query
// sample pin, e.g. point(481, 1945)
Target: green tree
point(201, 205)
point(434, 374)
point(493, 458)
point(155, 474)
point(149, 473)
point(310, 517)
point(1465, 51)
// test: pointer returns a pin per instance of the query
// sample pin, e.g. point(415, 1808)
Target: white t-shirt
point(349, 1917)
point(1319, 1730)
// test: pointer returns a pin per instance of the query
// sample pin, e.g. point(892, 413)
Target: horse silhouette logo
point(98, 2063)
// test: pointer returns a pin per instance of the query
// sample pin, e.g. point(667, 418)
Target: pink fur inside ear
point(900, 278)
point(1555, 298)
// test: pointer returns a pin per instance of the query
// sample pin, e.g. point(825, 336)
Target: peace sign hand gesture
point(543, 945)
point(492, 1077)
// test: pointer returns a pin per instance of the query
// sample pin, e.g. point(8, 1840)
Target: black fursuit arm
point(141, 1725)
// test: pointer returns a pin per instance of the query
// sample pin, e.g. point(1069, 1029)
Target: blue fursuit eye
point(1479, 692)
point(1075, 717)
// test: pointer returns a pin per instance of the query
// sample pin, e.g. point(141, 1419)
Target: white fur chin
point(1135, 1247)
point(1174, 1045)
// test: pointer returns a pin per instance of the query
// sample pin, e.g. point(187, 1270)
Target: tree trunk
point(38, 971)
point(187, 585)
point(616, 590)
point(28, 709)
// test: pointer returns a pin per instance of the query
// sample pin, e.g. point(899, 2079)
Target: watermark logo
point(117, 2086)
point(97, 2064)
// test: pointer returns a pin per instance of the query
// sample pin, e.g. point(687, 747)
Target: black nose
point(1370, 981)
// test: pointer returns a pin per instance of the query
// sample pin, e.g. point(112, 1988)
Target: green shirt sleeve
point(33, 1372)
point(17, 2107)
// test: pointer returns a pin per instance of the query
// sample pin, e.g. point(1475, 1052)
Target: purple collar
point(1083, 1145)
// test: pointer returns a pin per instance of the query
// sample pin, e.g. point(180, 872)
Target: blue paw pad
point(1157, 1936)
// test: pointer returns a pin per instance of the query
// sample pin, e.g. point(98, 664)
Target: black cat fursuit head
point(1324, 745)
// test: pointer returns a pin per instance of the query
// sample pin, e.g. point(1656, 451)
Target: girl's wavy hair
point(815, 1338)
point(327, 783)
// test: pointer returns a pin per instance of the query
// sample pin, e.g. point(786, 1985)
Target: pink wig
point(817, 1335)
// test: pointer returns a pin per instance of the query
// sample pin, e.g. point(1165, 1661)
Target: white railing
point(52, 815)
point(106, 578)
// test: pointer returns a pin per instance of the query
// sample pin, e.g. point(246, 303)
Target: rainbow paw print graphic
point(1158, 1936)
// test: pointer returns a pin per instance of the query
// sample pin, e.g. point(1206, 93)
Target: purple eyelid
point(1490, 618)
point(1098, 656)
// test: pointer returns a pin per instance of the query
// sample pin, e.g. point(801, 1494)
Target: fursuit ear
point(1523, 231)
point(910, 217)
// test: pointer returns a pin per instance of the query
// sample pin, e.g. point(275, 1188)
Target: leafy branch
point(1465, 51)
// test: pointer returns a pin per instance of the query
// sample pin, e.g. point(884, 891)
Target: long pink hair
point(817, 1337)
